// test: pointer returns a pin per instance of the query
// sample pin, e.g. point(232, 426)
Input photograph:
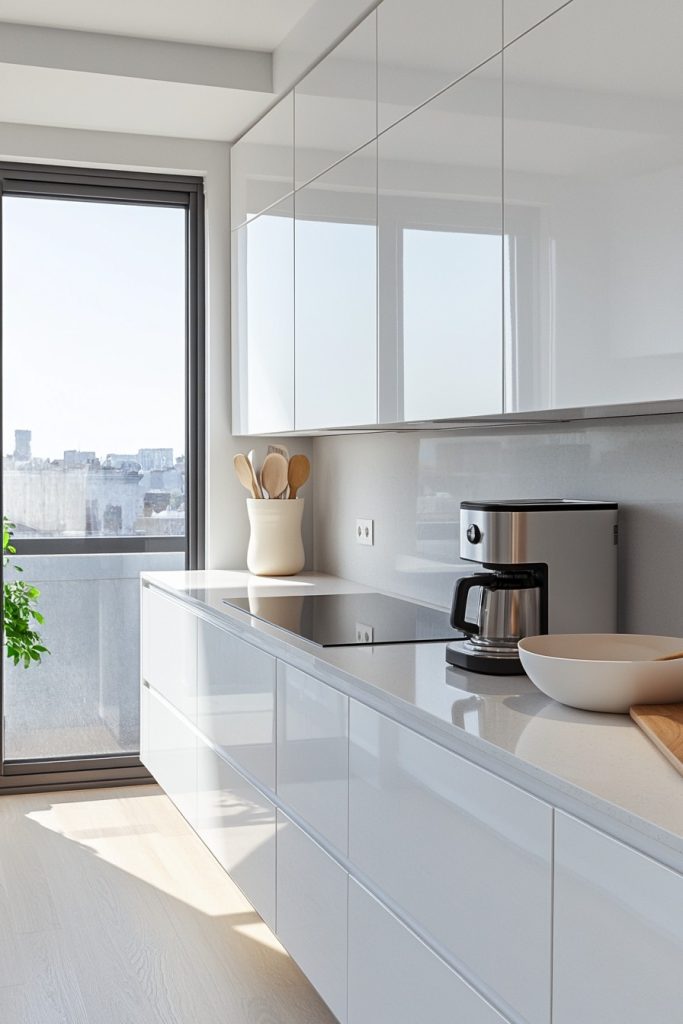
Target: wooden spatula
point(298, 473)
point(246, 476)
point(274, 474)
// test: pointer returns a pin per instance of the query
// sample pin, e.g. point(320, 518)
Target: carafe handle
point(460, 595)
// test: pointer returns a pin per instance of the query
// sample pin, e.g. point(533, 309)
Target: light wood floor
point(113, 912)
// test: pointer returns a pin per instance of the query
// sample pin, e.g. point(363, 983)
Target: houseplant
point(20, 614)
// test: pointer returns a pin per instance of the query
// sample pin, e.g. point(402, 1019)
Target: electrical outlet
point(364, 634)
point(365, 531)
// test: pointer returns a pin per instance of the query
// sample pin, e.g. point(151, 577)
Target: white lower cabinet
point(168, 749)
point(237, 823)
point(313, 752)
point(312, 912)
point(395, 979)
point(169, 650)
point(466, 855)
point(618, 932)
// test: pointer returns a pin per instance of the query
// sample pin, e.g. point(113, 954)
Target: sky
point(93, 326)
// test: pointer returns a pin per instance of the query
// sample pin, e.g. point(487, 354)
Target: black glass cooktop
point(345, 620)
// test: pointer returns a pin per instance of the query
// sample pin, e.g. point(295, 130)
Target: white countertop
point(586, 763)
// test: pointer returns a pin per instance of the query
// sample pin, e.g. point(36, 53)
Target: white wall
point(226, 519)
point(412, 485)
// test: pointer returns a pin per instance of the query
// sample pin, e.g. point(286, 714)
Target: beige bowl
point(604, 671)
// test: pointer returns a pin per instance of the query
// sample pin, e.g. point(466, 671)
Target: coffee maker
point(550, 567)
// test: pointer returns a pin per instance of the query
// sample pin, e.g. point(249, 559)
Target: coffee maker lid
point(537, 505)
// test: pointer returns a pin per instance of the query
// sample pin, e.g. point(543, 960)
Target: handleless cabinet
point(312, 893)
point(618, 931)
point(262, 163)
point(424, 47)
point(464, 853)
point(335, 285)
point(335, 104)
point(440, 255)
point(169, 650)
point(263, 322)
point(237, 823)
point(236, 700)
point(168, 749)
point(313, 753)
point(594, 207)
point(521, 15)
point(394, 978)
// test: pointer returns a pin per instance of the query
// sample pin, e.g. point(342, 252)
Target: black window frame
point(140, 188)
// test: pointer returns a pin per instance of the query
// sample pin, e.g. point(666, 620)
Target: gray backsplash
point(412, 484)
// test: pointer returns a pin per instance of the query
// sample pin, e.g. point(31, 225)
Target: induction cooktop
point(346, 620)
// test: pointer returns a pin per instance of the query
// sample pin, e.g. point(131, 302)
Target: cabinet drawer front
point(169, 650)
point(463, 853)
point(618, 922)
point(236, 700)
point(395, 979)
point(312, 752)
point(168, 748)
point(312, 912)
point(237, 823)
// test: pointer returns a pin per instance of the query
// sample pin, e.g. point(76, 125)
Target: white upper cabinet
point(594, 207)
point(262, 163)
point(440, 255)
point(263, 322)
point(521, 15)
point(423, 47)
point(336, 295)
point(335, 104)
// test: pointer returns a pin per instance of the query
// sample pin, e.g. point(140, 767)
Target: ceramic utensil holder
point(275, 544)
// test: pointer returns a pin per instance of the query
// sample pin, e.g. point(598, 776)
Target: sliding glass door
point(101, 444)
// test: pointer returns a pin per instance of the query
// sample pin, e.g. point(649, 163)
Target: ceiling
point(245, 24)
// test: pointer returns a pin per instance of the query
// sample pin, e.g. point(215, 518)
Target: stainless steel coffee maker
point(551, 568)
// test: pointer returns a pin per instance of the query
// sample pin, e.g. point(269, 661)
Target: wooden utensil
point(251, 455)
point(663, 724)
point(298, 473)
point(670, 657)
point(246, 476)
point(274, 474)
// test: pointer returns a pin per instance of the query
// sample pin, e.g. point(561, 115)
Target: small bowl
point(604, 671)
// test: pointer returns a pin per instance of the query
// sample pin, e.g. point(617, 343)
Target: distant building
point(155, 458)
point(22, 445)
point(72, 457)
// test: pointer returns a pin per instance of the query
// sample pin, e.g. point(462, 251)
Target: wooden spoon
point(252, 459)
point(670, 657)
point(274, 474)
point(298, 473)
point(246, 476)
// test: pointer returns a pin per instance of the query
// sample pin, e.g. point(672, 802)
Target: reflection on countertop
point(602, 760)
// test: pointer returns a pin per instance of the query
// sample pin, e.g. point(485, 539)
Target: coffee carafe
point(552, 568)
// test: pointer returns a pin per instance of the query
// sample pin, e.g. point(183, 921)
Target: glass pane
point(94, 368)
point(94, 338)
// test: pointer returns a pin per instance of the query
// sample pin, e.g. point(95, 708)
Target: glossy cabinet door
point(618, 923)
point(424, 47)
point(394, 978)
point(594, 207)
point(335, 295)
point(237, 823)
point(466, 855)
point(168, 749)
point(440, 255)
point(313, 752)
point(169, 650)
point(521, 15)
point(312, 912)
point(263, 322)
point(335, 104)
point(262, 163)
point(236, 700)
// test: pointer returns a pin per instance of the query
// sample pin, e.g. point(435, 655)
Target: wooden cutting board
point(663, 723)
